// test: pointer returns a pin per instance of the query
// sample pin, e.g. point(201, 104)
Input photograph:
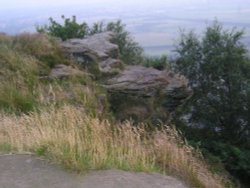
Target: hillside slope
point(51, 106)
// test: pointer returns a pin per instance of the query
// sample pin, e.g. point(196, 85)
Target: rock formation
point(95, 49)
point(146, 93)
point(135, 91)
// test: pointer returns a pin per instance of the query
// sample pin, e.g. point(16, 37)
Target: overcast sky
point(13, 4)
point(152, 22)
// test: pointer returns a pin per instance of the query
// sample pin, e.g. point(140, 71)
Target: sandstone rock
point(142, 93)
point(135, 92)
point(26, 171)
point(149, 82)
point(111, 66)
point(97, 48)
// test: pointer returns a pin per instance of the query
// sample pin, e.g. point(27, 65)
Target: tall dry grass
point(79, 142)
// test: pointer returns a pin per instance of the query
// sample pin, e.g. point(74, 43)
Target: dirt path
point(26, 171)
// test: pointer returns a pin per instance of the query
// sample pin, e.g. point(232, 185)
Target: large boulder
point(139, 92)
point(95, 49)
point(135, 92)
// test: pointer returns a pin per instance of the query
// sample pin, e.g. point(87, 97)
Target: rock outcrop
point(95, 49)
point(148, 82)
point(135, 91)
point(143, 93)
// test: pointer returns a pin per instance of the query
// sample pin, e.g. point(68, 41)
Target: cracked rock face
point(147, 82)
point(135, 92)
point(141, 92)
point(95, 49)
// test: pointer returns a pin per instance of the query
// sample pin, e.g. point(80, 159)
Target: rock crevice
point(135, 91)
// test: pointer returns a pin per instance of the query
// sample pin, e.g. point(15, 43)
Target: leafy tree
point(69, 29)
point(219, 73)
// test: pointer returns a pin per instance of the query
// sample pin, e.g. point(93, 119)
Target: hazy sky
point(15, 3)
point(25, 4)
point(152, 22)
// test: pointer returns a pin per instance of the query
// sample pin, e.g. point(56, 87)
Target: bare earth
point(26, 171)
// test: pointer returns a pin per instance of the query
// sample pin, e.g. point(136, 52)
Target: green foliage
point(5, 147)
point(159, 63)
point(218, 70)
point(42, 150)
point(98, 27)
point(131, 52)
point(69, 29)
point(236, 159)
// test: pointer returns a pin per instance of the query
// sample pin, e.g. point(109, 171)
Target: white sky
point(152, 22)
point(13, 4)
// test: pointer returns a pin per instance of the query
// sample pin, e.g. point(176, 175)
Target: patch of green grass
point(25, 59)
point(42, 150)
point(4, 147)
point(14, 100)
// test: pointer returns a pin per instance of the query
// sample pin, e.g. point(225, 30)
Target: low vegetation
point(131, 52)
point(159, 63)
point(64, 120)
point(81, 142)
point(26, 61)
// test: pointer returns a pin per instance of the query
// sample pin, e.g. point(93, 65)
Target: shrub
point(131, 52)
point(218, 69)
point(69, 29)
point(159, 63)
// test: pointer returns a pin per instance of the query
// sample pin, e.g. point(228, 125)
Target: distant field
point(158, 50)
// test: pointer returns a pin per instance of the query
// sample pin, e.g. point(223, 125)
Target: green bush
point(159, 63)
point(218, 69)
point(69, 29)
point(235, 159)
point(131, 52)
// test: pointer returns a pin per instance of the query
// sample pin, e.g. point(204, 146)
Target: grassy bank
point(79, 142)
point(66, 120)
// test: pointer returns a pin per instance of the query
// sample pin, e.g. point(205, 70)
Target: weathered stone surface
point(25, 171)
point(97, 48)
point(135, 91)
point(111, 66)
point(61, 71)
point(149, 82)
point(142, 93)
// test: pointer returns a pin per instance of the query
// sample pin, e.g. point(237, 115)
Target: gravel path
point(27, 171)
